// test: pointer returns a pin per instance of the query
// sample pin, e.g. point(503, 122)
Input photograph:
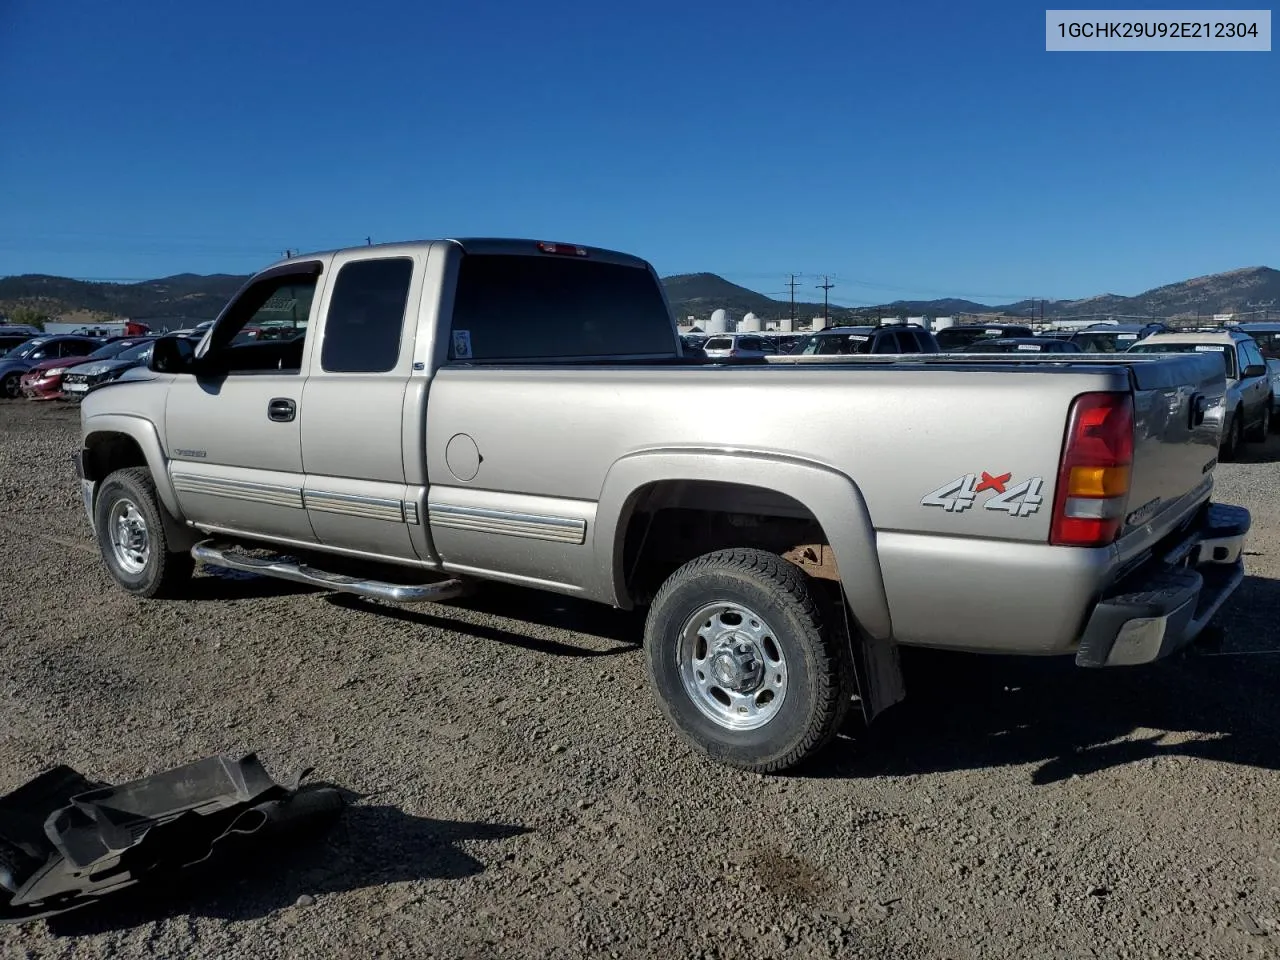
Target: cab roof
point(478, 245)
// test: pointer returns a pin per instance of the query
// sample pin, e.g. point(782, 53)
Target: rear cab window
point(531, 307)
point(365, 320)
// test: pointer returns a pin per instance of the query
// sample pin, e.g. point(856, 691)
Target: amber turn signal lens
point(1098, 481)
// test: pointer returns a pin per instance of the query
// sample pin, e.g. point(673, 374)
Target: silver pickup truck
point(402, 421)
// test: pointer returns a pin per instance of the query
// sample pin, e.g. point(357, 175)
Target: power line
point(792, 284)
point(824, 286)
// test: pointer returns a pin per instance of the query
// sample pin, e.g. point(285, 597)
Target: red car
point(44, 380)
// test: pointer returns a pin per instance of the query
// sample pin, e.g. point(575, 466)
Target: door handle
point(281, 410)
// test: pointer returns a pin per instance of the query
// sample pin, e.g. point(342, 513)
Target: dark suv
point(957, 338)
point(1116, 337)
point(889, 338)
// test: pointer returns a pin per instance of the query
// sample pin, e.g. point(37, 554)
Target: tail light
point(1095, 470)
point(562, 249)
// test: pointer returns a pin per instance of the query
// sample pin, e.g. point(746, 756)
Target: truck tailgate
point(1177, 422)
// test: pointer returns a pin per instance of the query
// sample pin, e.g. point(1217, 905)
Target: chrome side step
point(207, 552)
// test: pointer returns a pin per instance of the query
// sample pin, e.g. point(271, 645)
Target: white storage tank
point(750, 324)
point(719, 322)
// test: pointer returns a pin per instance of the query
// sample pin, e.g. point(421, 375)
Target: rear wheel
point(131, 537)
point(11, 387)
point(1259, 433)
point(1233, 439)
point(743, 662)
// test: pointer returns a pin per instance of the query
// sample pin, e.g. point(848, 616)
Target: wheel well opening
point(674, 521)
point(106, 453)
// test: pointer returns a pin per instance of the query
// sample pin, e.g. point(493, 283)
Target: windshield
point(109, 350)
point(137, 351)
point(949, 338)
point(1105, 341)
point(25, 350)
point(1007, 346)
point(834, 344)
point(1228, 354)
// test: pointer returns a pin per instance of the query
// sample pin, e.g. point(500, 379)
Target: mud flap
point(877, 671)
point(66, 841)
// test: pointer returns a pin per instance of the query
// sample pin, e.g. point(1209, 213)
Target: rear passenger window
point(885, 343)
point(366, 316)
point(907, 342)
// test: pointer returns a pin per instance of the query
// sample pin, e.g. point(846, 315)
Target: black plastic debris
point(66, 841)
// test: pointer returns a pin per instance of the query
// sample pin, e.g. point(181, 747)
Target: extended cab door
point(353, 435)
point(233, 427)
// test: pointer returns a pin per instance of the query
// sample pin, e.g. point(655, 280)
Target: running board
point(206, 552)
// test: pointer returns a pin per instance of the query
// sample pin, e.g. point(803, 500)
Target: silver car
point(735, 346)
point(1247, 406)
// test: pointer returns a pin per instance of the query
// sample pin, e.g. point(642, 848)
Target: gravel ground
point(520, 795)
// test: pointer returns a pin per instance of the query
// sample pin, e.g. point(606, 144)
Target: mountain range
point(199, 297)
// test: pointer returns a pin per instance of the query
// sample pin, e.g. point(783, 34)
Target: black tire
point(1259, 433)
point(161, 573)
point(11, 387)
point(815, 675)
point(1233, 440)
point(1275, 419)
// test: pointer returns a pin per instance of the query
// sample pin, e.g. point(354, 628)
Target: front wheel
point(11, 387)
point(743, 662)
point(132, 539)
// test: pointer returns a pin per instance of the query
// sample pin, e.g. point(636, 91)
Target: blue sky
point(907, 149)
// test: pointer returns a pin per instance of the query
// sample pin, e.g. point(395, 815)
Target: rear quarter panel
point(547, 438)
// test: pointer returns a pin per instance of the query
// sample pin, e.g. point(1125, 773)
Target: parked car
point(11, 341)
point(520, 412)
point(852, 341)
point(36, 350)
point(100, 369)
point(1116, 337)
point(960, 336)
point(1056, 334)
point(46, 380)
point(1247, 405)
point(1267, 336)
point(1022, 345)
point(726, 346)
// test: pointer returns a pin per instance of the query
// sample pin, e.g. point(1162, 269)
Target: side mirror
point(1255, 370)
point(172, 355)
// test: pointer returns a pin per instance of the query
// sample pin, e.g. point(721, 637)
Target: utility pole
point(825, 286)
point(792, 283)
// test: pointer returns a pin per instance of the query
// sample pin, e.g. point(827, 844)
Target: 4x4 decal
point(1019, 500)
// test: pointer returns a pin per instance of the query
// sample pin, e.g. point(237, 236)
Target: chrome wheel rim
point(130, 539)
point(732, 666)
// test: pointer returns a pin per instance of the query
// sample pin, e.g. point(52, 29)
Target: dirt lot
point(520, 794)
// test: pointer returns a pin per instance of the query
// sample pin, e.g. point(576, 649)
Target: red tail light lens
point(563, 249)
point(1094, 473)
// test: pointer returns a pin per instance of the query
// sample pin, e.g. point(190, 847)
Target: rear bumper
point(1165, 604)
